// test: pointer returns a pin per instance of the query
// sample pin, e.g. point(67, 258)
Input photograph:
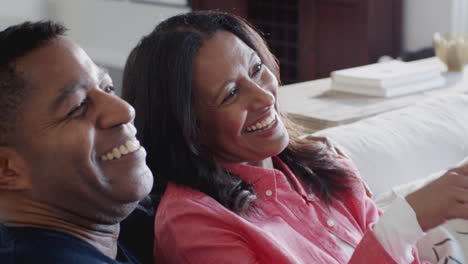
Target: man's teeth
point(130, 146)
point(263, 124)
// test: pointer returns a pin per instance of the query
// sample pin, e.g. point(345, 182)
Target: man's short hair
point(15, 42)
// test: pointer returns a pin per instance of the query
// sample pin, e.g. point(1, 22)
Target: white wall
point(459, 16)
point(106, 29)
point(422, 18)
point(16, 11)
point(109, 29)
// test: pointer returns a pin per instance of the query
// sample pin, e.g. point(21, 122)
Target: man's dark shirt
point(23, 245)
point(137, 231)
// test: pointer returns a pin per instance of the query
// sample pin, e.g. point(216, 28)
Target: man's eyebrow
point(103, 72)
point(64, 92)
point(73, 86)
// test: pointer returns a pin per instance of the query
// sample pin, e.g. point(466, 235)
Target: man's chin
point(127, 185)
point(143, 185)
point(118, 214)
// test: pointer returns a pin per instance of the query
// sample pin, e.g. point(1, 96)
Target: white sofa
point(402, 150)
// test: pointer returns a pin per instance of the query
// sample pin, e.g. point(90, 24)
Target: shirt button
point(330, 223)
point(311, 195)
point(268, 192)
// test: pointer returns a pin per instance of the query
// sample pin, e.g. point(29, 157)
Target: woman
point(239, 184)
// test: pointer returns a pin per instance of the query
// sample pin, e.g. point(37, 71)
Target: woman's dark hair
point(158, 83)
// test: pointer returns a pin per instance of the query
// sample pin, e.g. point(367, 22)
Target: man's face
point(77, 136)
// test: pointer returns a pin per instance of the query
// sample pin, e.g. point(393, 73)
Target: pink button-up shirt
point(291, 225)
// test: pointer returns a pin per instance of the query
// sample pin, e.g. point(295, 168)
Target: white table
point(313, 105)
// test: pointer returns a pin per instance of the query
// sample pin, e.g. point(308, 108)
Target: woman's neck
point(266, 163)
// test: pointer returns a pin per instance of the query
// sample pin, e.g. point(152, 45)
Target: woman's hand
point(443, 199)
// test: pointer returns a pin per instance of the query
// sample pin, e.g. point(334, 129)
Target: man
point(70, 167)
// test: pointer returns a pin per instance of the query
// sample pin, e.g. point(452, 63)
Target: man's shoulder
point(33, 245)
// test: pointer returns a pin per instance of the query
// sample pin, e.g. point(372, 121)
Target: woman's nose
point(260, 97)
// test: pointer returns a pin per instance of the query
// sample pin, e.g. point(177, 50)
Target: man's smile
point(128, 147)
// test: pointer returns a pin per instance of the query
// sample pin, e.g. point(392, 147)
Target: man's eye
point(109, 89)
point(231, 94)
point(78, 110)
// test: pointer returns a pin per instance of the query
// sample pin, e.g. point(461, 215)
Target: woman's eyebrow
point(220, 90)
point(223, 86)
point(252, 55)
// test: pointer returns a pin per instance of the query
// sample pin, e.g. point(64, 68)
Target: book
point(386, 74)
point(394, 91)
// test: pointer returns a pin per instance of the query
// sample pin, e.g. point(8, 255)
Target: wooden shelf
point(311, 38)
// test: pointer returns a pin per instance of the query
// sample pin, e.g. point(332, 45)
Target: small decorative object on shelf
point(452, 49)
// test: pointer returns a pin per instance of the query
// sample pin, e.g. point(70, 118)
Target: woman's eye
point(78, 110)
point(109, 89)
point(257, 68)
point(231, 94)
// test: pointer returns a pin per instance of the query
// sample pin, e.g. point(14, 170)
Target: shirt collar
point(267, 181)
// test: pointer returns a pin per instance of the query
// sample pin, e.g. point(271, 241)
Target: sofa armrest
point(408, 144)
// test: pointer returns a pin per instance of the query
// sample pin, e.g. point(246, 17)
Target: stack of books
point(387, 79)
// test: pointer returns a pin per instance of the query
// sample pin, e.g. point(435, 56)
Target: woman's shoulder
point(183, 208)
point(176, 191)
point(179, 195)
point(181, 200)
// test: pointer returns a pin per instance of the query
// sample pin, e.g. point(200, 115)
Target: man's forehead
point(84, 80)
point(59, 68)
point(59, 61)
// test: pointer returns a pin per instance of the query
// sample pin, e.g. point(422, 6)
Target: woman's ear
point(14, 173)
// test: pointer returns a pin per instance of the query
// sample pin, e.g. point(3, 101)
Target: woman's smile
point(264, 124)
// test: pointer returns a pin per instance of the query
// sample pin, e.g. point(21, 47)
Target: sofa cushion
point(407, 144)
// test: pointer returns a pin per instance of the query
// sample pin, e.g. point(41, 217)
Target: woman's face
point(236, 101)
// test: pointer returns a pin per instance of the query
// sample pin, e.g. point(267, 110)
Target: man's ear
point(14, 173)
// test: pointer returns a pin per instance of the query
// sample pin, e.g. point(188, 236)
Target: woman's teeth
point(130, 146)
point(263, 124)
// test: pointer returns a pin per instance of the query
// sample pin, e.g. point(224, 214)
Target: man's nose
point(114, 111)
